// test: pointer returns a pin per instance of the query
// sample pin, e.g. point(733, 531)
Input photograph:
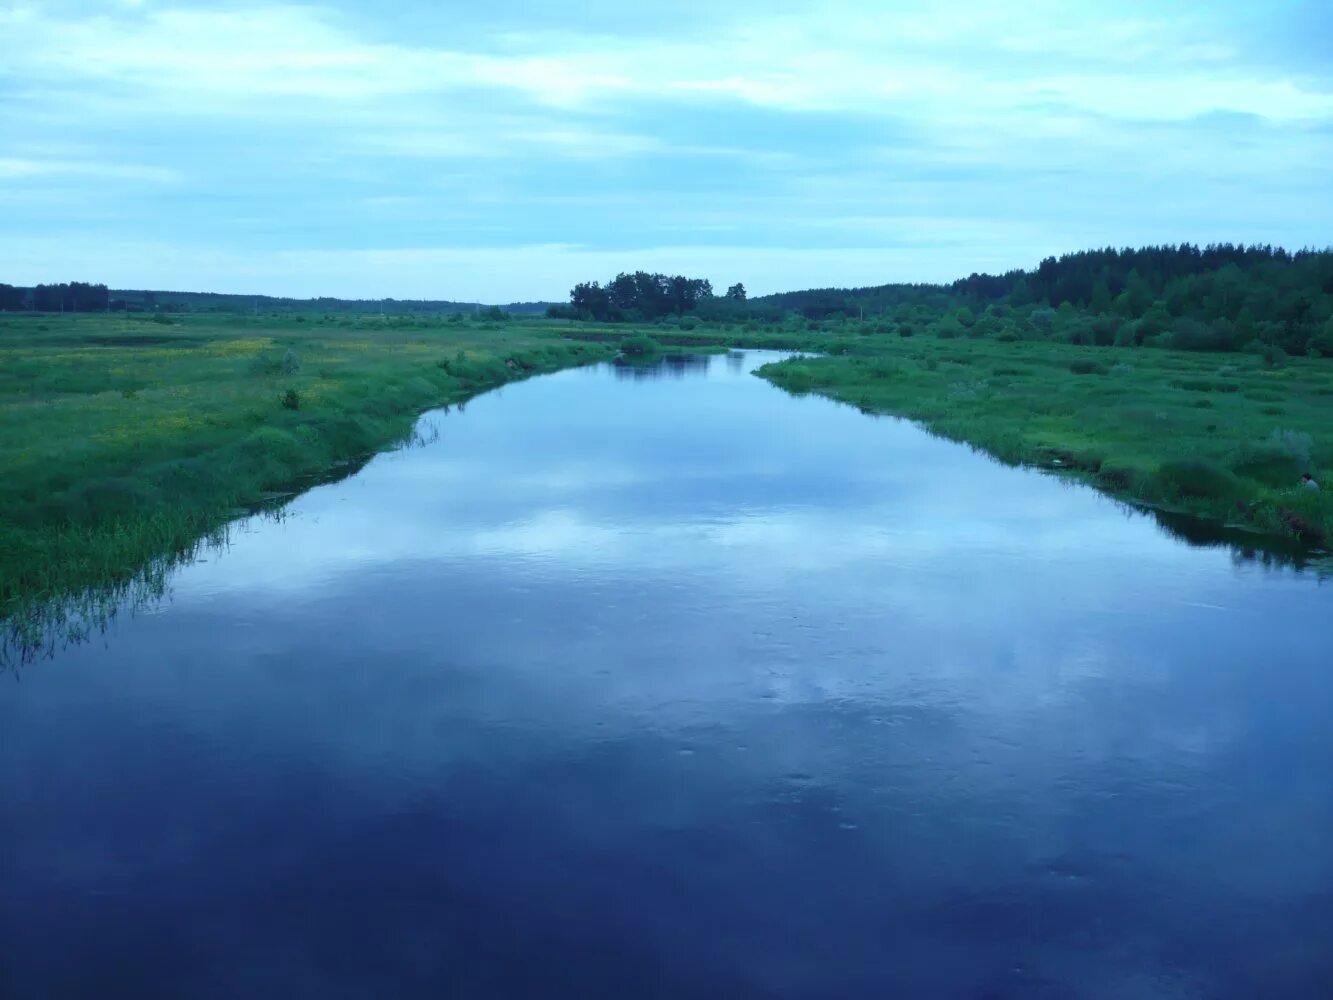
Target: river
point(657, 681)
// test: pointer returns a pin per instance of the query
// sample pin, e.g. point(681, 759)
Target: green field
point(124, 440)
point(1226, 437)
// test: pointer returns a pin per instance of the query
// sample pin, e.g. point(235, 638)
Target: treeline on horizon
point(1222, 297)
point(640, 297)
point(78, 296)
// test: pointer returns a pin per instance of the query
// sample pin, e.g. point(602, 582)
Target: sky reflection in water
point(682, 686)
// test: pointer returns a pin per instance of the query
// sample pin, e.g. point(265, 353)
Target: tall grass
point(118, 448)
point(1168, 429)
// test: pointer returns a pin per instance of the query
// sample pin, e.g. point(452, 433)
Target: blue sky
point(504, 151)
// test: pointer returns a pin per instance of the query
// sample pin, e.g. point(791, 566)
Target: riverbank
point(1221, 437)
point(126, 440)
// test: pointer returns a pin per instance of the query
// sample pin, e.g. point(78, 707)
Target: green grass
point(1179, 431)
point(124, 441)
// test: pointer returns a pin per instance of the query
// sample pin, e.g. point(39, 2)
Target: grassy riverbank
point(1225, 437)
point(124, 440)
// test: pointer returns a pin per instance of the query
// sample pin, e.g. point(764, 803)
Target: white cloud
point(997, 133)
point(13, 169)
point(936, 59)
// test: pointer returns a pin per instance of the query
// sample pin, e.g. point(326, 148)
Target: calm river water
point(663, 683)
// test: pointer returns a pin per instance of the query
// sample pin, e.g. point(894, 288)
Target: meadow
point(1226, 437)
point(125, 439)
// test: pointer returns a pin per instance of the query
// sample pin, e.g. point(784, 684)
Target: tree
point(639, 296)
point(11, 298)
point(590, 299)
point(736, 292)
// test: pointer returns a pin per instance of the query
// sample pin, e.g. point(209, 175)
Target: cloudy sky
point(502, 151)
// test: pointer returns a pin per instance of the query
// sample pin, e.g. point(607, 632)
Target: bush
point(1198, 479)
point(1297, 444)
point(291, 400)
point(1127, 335)
point(109, 499)
point(1042, 319)
point(1204, 385)
point(1117, 478)
point(1267, 464)
point(1321, 344)
point(1081, 333)
point(1274, 356)
point(1085, 366)
point(472, 373)
point(1191, 335)
point(639, 346)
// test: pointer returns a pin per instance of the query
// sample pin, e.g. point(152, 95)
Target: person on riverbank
point(1308, 482)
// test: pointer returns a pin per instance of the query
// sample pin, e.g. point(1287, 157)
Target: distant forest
point(1221, 297)
point(641, 296)
point(77, 296)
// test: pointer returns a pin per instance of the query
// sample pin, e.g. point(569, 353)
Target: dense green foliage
point(635, 297)
point(122, 440)
point(1259, 299)
point(639, 346)
point(1219, 298)
point(72, 296)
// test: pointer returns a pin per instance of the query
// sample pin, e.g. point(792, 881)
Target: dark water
point(664, 683)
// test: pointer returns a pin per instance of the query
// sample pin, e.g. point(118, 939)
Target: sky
point(503, 151)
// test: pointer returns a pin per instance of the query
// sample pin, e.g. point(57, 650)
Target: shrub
point(1197, 478)
point(1116, 478)
point(1081, 333)
point(1204, 385)
point(1127, 335)
point(1085, 366)
point(1297, 444)
point(108, 499)
point(1266, 464)
point(291, 400)
point(883, 368)
point(1191, 335)
point(1104, 330)
point(291, 364)
point(1042, 319)
point(639, 346)
point(473, 373)
point(1274, 356)
point(1321, 344)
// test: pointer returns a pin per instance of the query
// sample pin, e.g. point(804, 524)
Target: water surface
point(660, 682)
